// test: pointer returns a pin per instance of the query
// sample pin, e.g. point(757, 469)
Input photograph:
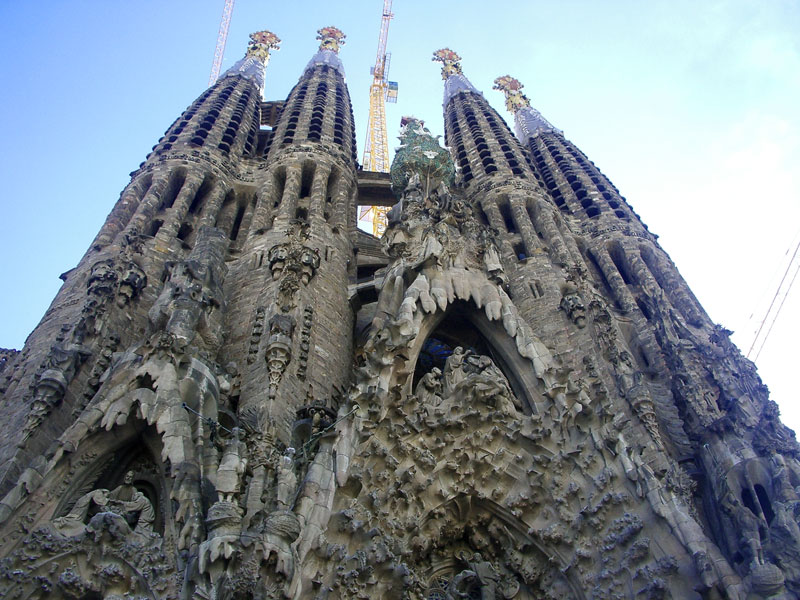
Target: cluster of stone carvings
point(118, 280)
point(555, 481)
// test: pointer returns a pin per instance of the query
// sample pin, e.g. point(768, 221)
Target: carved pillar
point(345, 206)
point(523, 223)
point(493, 214)
point(319, 192)
point(149, 205)
point(291, 193)
point(489, 206)
point(226, 217)
point(550, 231)
point(643, 275)
point(177, 213)
point(615, 281)
point(264, 206)
point(121, 214)
point(209, 215)
point(675, 288)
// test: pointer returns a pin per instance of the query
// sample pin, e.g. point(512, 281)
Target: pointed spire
point(254, 64)
point(454, 80)
point(331, 39)
point(528, 122)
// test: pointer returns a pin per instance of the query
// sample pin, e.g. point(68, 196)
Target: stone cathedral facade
point(512, 394)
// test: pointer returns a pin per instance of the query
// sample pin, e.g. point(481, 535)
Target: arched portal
point(482, 548)
point(130, 457)
point(463, 324)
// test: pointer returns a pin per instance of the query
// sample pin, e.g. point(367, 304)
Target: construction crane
point(376, 148)
point(222, 38)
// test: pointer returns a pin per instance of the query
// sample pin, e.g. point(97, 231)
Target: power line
point(772, 304)
point(778, 312)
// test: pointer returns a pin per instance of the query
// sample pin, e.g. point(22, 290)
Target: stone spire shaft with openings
point(494, 171)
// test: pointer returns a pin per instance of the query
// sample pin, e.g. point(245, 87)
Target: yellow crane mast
point(376, 148)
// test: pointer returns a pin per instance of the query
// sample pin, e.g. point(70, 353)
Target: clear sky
point(689, 107)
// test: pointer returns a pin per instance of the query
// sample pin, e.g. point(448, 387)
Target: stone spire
point(454, 80)
point(330, 40)
point(254, 64)
point(528, 122)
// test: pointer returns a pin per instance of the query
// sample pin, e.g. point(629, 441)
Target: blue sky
point(689, 107)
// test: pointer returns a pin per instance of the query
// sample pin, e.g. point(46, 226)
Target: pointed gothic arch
point(464, 324)
point(481, 526)
point(108, 455)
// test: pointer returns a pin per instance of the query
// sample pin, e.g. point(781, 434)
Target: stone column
point(614, 279)
point(121, 214)
point(524, 225)
point(291, 191)
point(149, 205)
point(209, 215)
point(676, 289)
point(176, 214)
point(267, 195)
point(318, 193)
point(344, 205)
point(550, 231)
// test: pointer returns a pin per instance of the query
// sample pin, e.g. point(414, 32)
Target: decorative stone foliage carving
point(572, 305)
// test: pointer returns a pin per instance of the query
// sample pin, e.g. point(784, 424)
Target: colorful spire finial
point(450, 62)
point(331, 38)
point(512, 88)
point(261, 42)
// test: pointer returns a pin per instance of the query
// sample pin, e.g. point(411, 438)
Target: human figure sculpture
point(124, 492)
point(746, 523)
point(627, 376)
point(413, 191)
point(572, 304)
point(64, 360)
point(489, 385)
point(429, 388)
point(287, 480)
point(454, 370)
point(479, 572)
point(132, 282)
point(493, 265)
point(102, 279)
point(309, 261)
point(124, 500)
point(231, 467)
point(487, 576)
point(577, 387)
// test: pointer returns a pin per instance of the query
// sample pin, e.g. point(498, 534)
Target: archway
point(483, 548)
point(465, 325)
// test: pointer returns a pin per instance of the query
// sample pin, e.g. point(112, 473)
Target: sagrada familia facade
point(512, 394)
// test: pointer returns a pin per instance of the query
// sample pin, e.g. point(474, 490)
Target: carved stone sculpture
point(287, 480)
point(232, 466)
point(124, 501)
point(572, 304)
point(63, 362)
